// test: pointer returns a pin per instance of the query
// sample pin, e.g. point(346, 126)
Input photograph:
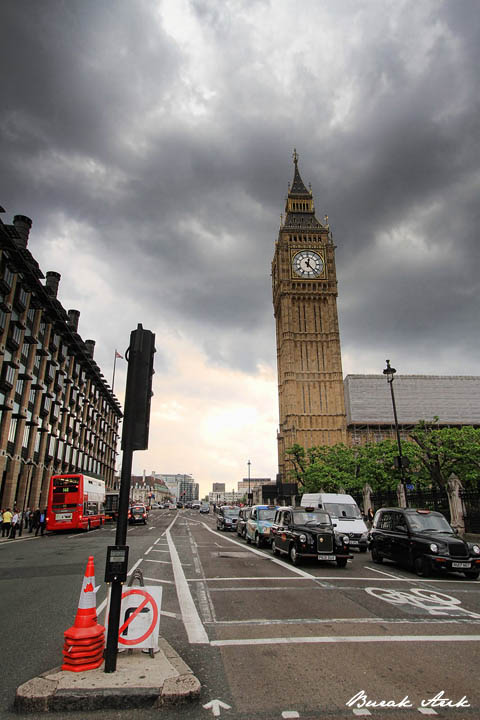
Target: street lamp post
point(249, 499)
point(390, 372)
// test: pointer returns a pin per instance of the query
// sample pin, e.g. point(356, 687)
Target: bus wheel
point(89, 527)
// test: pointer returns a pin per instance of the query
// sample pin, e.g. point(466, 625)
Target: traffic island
point(140, 681)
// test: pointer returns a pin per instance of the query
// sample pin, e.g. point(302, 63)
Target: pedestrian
point(36, 520)
point(31, 518)
point(1, 518)
point(14, 524)
point(7, 519)
point(370, 516)
point(42, 521)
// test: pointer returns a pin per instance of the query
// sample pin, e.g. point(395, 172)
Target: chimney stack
point(90, 345)
point(52, 281)
point(73, 317)
point(22, 225)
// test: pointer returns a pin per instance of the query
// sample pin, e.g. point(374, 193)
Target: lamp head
point(389, 372)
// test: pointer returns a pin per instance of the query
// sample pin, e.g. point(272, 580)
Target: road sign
point(140, 617)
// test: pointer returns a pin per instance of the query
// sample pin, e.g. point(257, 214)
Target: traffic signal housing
point(138, 392)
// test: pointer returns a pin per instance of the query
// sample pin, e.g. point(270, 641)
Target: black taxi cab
point(306, 532)
point(422, 540)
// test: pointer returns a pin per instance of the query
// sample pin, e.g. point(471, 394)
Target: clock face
point(308, 264)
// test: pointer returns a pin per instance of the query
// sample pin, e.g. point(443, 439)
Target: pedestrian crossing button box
point(117, 563)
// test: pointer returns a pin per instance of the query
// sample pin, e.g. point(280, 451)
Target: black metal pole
point(402, 471)
point(249, 501)
point(120, 539)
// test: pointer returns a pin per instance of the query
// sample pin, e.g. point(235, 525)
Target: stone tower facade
point(304, 284)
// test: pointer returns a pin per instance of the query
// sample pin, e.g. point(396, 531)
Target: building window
point(26, 436)
point(12, 430)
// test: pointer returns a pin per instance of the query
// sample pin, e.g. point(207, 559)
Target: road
point(267, 639)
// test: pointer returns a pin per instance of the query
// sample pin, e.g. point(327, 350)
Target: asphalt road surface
point(267, 639)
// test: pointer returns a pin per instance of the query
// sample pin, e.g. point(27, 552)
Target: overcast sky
point(151, 142)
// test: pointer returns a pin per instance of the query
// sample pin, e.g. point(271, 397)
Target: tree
point(443, 451)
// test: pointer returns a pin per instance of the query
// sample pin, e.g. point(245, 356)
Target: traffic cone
point(85, 640)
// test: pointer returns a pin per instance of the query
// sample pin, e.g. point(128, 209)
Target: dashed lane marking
point(149, 550)
point(361, 711)
point(287, 714)
point(427, 711)
point(162, 551)
point(166, 582)
point(163, 562)
point(345, 639)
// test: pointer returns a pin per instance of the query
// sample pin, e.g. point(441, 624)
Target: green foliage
point(434, 453)
point(443, 451)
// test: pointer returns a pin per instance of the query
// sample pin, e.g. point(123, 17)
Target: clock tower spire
point(304, 284)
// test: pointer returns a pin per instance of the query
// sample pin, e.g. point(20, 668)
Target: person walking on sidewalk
point(1, 518)
point(14, 524)
point(42, 520)
point(7, 519)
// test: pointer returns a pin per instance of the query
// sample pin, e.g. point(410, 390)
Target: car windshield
point(343, 511)
point(266, 514)
point(231, 512)
point(421, 522)
point(311, 518)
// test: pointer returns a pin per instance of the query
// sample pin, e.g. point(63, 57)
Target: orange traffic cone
point(85, 640)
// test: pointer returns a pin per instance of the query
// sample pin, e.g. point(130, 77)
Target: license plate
point(266, 531)
point(63, 516)
point(325, 557)
point(353, 542)
point(465, 565)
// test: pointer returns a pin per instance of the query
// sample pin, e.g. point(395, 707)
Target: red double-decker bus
point(75, 502)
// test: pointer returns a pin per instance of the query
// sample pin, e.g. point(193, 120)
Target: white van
point(345, 515)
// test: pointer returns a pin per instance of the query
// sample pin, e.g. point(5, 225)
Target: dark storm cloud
point(99, 122)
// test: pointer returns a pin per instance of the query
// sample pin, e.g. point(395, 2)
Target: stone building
point(304, 286)
point(57, 412)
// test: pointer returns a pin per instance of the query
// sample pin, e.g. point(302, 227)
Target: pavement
point(140, 681)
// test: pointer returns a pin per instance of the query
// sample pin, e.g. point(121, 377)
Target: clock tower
point(304, 280)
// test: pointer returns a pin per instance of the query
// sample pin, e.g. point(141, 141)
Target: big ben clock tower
point(310, 382)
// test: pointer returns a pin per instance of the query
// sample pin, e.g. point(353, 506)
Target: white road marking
point(427, 711)
point(348, 621)
point(149, 550)
point(134, 567)
point(361, 711)
point(163, 562)
point(287, 714)
point(395, 577)
point(165, 532)
point(167, 582)
point(434, 602)
point(152, 527)
point(157, 541)
point(346, 639)
point(193, 625)
point(163, 551)
point(170, 614)
point(215, 705)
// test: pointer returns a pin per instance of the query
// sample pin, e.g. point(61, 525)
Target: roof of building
point(300, 219)
point(454, 399)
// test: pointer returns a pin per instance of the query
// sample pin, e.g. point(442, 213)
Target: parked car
point(422, 540)
point(227, 517)
point(137, 514)
point(204, 508)
point(305, 532)
point(257, 528)
point(345, 512)
point(243, 516)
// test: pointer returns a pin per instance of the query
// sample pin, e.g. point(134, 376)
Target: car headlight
point(476, 549)
point(433, 547)
point(302, 538)
point(346, 540)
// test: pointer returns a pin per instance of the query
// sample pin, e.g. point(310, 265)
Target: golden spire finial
point(295, 156)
